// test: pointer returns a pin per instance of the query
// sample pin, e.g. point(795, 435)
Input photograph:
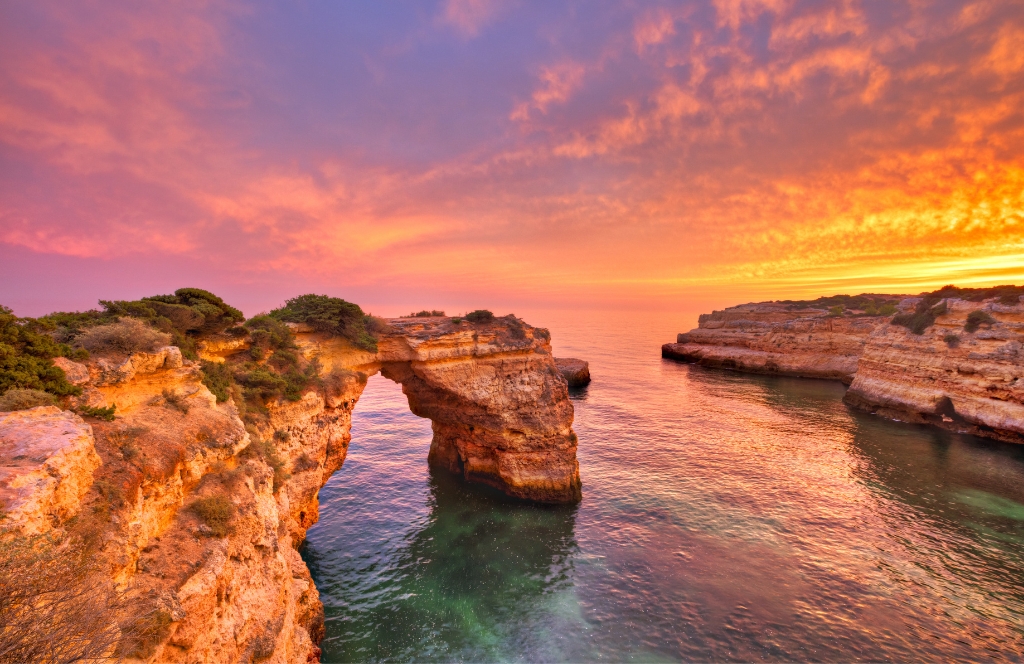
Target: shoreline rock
point(575, 372)
point(501, 413)
point(968, 382)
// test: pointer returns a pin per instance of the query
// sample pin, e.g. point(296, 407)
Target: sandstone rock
point(47, 460)
point(575, 372)
point(773, 338)
point(501, 416)
point(974, 384)
point(966, 382)
point(77, 374)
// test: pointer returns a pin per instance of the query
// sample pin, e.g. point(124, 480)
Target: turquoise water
point(725, 516)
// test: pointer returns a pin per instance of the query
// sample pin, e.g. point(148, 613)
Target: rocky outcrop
point(47, 460)
point(777, 338)
point(501, 412)
point(137, 485)
point(575, 372)
point(971, 382)
point(958, 376)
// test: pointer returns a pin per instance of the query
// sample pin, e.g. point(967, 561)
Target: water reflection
point(725, 517)
point(480, 581)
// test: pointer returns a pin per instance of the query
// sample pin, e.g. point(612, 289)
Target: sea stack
point(575, 372)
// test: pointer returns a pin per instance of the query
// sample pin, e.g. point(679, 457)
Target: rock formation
point(237, 589)
point(777, 338)
point(575, 372)
point(970, 382)
point(966, 378)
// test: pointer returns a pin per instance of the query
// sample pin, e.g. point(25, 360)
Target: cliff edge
point(953, 358)
point(193, 495)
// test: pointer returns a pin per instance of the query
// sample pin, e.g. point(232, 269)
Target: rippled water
point(725, 516)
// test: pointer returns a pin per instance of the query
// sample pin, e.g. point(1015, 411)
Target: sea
point(725, 517)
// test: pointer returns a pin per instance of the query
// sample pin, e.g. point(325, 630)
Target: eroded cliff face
point(775, 338)
point(962, 381)
point(970, 382)
point(501, 417)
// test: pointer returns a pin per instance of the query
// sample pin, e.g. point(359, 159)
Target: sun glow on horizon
point(631, 155)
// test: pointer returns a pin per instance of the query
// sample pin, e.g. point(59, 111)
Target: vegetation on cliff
point(185, 316)
point(932, 305)
point(26, 354)
point(332, 315)
point(870, 304)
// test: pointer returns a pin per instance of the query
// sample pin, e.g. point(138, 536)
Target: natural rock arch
point(499, 408)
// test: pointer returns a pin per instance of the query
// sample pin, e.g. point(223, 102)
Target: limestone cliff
point(957, 375)
point(141, 486)
point(971, 382)
point(777, 338)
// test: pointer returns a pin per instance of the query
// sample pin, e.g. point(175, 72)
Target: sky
point(459, 154)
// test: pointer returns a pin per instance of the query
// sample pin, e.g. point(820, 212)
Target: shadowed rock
point(575, 372)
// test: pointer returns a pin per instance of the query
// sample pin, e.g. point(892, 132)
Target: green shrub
point(128, 335)
point(99, 412)
point(186, 315)
point(217, 378)
point(951, 340)
point(976, 319)
point(26, 353)
point(331, 315)
point(836, 310)
point(22, 399)
point(216, 512)
point(480, 316)
point(304, 463)
point(923, 316)
point(426, 314)
point(457, 320)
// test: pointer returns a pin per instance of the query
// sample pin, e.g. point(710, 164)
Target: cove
point(724, 516)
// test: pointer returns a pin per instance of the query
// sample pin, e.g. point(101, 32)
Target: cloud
point(468, 17)
point(677, 146)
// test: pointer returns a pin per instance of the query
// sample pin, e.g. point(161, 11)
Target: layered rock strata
point(970, 382)
point(776, 338)
point(965, 381)
point(501, 417)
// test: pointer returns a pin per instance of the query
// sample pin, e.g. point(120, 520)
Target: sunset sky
point(476, 153)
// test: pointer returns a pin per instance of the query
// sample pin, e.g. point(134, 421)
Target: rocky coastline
point(198, 515)
point(953, 358)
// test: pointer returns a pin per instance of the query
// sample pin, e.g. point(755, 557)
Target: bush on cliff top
point(186, 315)
point(870, 303)
point(26, 357)
point(21, 399)
point(128, 335)
point(331, 315)
point(922, 317)
point(479, 316)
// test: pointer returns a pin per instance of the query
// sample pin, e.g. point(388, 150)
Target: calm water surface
point(724, 516)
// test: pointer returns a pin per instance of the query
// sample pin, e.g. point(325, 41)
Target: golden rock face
point(965, 381)
point(501, 414)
